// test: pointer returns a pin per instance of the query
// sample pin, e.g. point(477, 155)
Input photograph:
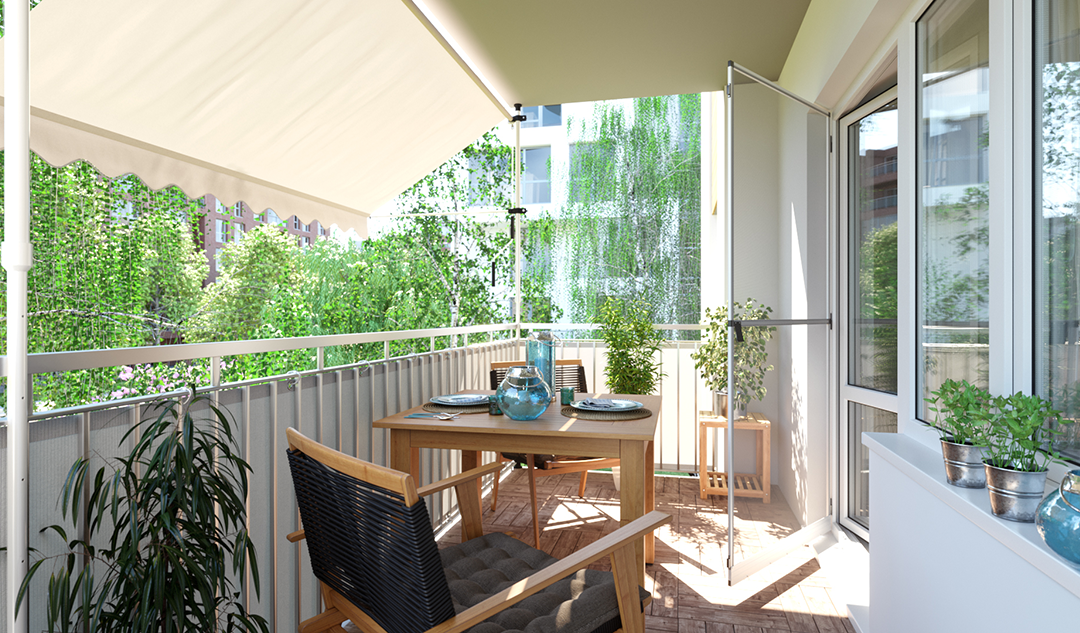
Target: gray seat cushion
point(583, 602)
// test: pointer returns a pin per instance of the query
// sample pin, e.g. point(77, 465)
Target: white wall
point(802, 434)
point(838, 45)
point(940, 562)
point(757, 260)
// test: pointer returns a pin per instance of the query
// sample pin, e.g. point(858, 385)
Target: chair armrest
point(296, 536)
point(451, 482)
point(623, 537)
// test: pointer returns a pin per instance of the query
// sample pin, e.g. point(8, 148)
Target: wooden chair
point(568, 373)
point(373, 550)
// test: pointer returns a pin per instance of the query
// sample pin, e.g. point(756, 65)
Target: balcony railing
point(335, 405)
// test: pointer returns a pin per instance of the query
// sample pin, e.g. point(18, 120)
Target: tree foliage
point(120, 265)
point(632, 224)
point(115, 265)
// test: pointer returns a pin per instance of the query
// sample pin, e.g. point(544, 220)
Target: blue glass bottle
point(540, 353)
point(1058, 518)
point(522, 394)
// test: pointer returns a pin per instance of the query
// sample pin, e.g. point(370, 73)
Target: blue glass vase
point(1058, 518)
point(523, 394)
point(540, 353)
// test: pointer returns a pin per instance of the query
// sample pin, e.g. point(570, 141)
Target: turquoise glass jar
point(523, 394)
point(540, 353)
point(1058, 518)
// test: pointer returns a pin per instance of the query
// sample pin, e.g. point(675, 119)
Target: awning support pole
point(729, 184)
point(518, 118)
point(16, 257)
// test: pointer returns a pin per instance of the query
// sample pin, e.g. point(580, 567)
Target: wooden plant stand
point(746, 485)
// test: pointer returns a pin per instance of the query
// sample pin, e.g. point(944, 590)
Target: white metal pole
point(15, 255)
point(518, 227)
point(729, 433)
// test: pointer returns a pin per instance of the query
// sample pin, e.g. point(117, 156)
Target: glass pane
point(535, 182)
point(532, 116)
point(952, 204)
point(552, 115)
point(1057, 196)
point(862, 418)
point(872, 235)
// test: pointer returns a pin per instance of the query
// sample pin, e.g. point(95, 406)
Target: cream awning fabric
point(321, 109)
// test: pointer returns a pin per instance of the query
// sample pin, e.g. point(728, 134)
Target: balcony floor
point(690, 594)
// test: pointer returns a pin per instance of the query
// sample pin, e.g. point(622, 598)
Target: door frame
point(846, 392)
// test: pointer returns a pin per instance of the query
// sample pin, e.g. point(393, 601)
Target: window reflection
point(952, 195)
point(536, 177)
point(1057, 197)
point(872, 348)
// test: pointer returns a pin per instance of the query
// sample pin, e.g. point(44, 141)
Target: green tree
point(115, 265)
point(878, 307)
point(461, 249)
point(632, 224)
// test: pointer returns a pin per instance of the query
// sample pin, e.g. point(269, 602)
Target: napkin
point(599, 403)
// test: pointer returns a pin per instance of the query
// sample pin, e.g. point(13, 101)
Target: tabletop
point(552, 422)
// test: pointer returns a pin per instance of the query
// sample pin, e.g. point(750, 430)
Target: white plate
point(461, 399)
point(616, 405)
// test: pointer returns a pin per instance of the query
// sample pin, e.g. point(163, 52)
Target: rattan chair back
point(371, 543)
point(568, 373)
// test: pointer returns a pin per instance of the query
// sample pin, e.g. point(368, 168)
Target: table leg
point(470, 460)
point(650, 499)
point(632, 494)
point(401, 454)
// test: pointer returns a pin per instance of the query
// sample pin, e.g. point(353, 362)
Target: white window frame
point(1012, 228)
point(847, 391)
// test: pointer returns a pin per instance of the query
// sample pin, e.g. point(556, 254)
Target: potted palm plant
point(962, 412)
point(750, 357)
point(1018, 453)
point(166, 535)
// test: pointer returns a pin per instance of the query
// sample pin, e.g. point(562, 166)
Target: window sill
point(924, 466)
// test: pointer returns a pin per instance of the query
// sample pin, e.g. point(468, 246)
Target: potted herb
point(962, 412)
point(1018, 453)
point(166, 534)
point(750, 356)
point(633, 343)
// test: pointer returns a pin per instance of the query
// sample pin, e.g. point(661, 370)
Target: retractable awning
point(322, 109)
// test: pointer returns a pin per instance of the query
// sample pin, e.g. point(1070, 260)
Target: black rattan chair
point(372, 548)
point(568, 373)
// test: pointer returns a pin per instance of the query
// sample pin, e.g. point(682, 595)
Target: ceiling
point(565, 51)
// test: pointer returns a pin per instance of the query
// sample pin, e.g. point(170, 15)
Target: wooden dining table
point(550, 434)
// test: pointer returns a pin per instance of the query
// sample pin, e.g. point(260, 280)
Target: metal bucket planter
point(964, 464)
point(1015, 494)
point(720, 404)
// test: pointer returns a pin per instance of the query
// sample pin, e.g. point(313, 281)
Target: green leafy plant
point(750, 354)
point(961, 411)
point(165, 531)
point(633, 343)
point(1020, 433)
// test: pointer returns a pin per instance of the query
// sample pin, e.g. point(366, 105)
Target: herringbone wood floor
point(690, 593)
